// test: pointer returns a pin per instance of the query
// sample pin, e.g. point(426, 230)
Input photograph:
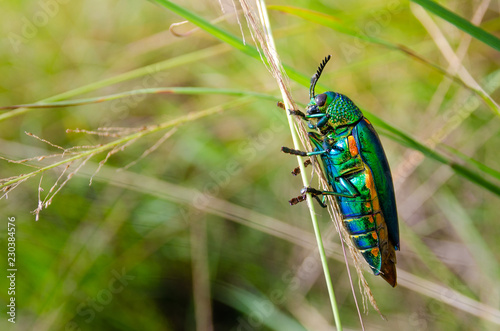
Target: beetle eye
point(320, 99)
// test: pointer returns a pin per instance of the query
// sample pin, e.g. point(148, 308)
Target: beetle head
point(331, 109)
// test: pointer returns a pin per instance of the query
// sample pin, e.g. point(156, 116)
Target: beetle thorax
point(342, 111)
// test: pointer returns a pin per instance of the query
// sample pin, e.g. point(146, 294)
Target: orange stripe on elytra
point(353, 148)
point(370, 184)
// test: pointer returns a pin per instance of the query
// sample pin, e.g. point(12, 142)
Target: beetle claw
point(297, 200)
point(296, 171)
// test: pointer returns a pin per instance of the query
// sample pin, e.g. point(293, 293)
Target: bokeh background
point(198, 234)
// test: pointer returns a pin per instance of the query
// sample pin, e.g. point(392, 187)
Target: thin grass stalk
point(333, 208)
point(264, 36)
point(278, 72)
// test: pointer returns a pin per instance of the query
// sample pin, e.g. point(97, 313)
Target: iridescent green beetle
point(358, 173)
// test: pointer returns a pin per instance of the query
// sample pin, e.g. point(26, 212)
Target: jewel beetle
point(358, 174)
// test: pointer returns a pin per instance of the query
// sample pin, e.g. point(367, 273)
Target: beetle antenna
point(316, 76)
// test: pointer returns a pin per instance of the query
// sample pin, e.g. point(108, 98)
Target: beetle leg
point(321, 203)
point(349, 187)
point(316, 138)
point(315, 192)
point(297, 200)
point(293, 151)
point(323, 121)
point(302, 197)
point(301, 153)
point(296, 171)
point(291, 111)
point(296, 113)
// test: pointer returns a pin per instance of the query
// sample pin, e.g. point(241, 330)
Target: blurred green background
point(198, 234)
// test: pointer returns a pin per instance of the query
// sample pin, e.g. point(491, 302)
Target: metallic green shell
point(373, 155)
point(355, 155)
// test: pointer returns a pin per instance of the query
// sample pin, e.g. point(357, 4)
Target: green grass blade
point(435, 155)
point(140, 72)
point(460, 23)
point(335, 24)
point(159, 90)
point(481, 166)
